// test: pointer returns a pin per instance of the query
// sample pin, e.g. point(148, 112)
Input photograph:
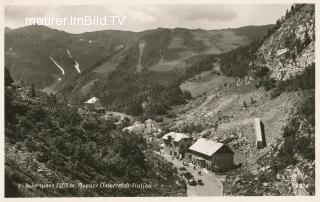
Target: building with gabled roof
point(176, 144)
point(175, 136)
point(92, 100)
point(93, 104)
point(214, 156)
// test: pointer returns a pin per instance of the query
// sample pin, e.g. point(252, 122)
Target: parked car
point(189, 178)
point(200, 182)
point(182, 169)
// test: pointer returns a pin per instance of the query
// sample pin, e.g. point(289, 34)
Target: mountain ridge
point(39, 42)
point(165, 51)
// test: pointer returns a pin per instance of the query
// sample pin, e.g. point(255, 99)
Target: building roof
point(206, 147)
point(175, 136)
point(92, 100)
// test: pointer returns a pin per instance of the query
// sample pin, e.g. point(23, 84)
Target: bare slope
point(226, 98)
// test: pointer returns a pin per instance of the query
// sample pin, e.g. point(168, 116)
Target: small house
point(213, 156)
point(93, 104)
point(176, 144)
point(259, 133)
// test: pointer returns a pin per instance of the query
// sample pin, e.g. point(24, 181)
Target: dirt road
point(212, 185)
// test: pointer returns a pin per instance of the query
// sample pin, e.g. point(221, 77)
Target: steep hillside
point(288, 51)
point(260, 83)
point(52, 150)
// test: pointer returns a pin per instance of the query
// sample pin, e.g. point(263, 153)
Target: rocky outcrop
point(288, 51)
point(120, 119)
point(149, 128)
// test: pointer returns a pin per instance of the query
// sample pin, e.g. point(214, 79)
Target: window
point(208, 166)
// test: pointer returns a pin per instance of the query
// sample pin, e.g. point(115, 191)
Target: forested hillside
point(48, 143)
point(158, 59)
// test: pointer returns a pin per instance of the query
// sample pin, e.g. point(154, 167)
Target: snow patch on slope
point(76, 65)
point(62, 70)
point(141, 47)
point(69, 54)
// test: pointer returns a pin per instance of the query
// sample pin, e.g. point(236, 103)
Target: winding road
point(212, 183)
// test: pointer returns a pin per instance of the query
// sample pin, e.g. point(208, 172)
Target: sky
point(141, 17)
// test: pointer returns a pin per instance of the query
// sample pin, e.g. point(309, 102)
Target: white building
point(176, 143)
point(93, 103)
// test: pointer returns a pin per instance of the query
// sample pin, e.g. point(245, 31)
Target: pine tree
point(65, 100)
point(252, 100)
point(33, 91)
point(53, 99)
point(219, 115)
point(298, 45)
point(245, 104)
point(307, 39)
point(287, 14)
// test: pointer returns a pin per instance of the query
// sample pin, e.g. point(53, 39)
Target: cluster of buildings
point(213, 156)
point(204, 153)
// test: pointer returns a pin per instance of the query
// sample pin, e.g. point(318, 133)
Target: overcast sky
point(142, 17)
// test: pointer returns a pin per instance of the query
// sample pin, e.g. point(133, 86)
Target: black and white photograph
point(159, 100)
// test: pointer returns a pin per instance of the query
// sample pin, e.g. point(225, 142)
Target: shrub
point(190, 127)
point(252, 100)
point(158, 119)
point(187, 94)
point(244, 104)
point(275, 93)
point(261, 72)
point(157, 109)
point(268, 84)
